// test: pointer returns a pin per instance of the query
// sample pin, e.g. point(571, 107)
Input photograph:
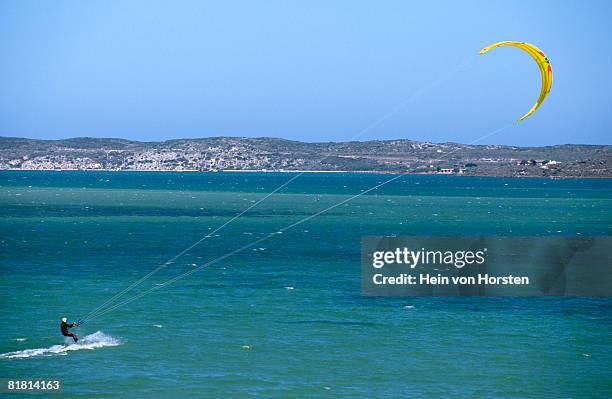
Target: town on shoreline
point(233, 154)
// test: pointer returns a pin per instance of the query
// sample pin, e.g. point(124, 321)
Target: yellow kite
point(543, 64)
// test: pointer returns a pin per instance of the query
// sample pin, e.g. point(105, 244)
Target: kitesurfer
point(65, 326)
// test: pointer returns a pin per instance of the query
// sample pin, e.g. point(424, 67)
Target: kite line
point(280, 231)
point(100, 309)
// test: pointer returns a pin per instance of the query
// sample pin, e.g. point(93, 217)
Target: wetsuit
point(64, 327)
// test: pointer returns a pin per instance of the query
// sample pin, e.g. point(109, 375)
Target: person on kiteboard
point(65, 326)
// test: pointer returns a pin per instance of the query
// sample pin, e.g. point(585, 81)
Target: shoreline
point(302, 171)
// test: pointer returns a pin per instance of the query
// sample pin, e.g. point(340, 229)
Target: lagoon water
point(285, 319)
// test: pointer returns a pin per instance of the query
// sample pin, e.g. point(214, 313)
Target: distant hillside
point(238, 153)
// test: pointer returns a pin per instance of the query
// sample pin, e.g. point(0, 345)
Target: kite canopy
point(543, 64)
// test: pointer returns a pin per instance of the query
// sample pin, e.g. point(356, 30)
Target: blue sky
point(309, 70)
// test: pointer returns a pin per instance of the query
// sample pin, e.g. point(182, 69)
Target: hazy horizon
point(282, 138)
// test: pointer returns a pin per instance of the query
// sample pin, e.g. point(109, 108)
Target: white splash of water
point(91, 341)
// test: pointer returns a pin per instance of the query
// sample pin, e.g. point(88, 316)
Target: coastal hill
point(239, 153)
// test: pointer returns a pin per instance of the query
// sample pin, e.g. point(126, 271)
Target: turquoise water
point(285, 319)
